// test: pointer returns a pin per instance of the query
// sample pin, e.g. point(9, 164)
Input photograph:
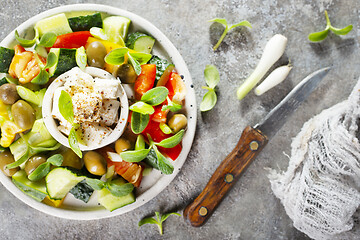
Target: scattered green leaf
point(158, 220)
point(212, 78)
point(228, 28)
point(51, 60)
point(319, 36)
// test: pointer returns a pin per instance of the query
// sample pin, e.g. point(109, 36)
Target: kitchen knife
point(252, 141)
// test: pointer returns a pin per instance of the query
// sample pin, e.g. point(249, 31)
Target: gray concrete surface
point(250, 211)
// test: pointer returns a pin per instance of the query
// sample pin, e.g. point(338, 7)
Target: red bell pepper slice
point(145, 81)
point(72, 40)
point(153, 129)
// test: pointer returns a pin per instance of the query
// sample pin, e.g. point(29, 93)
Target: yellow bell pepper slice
point(8, 132)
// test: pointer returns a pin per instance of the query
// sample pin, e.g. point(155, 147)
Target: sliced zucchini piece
point(57, 24)
point(60, 181)
point(140, 42)
point(116, 29)
point(84, 23)
point(66, 60)
point(6, 56)
point(36, 190)
point(110, 202)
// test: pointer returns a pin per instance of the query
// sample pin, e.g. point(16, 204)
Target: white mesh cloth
point(320, 189)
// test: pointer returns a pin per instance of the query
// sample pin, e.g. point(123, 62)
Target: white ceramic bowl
point(52, 125)
point(152, 184)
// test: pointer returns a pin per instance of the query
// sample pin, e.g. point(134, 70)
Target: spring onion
point(274, 78)
point(273, 50)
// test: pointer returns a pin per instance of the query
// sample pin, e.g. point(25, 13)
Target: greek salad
point(86, 109)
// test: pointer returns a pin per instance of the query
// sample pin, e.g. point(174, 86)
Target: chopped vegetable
point(228, 28)
point(273, 50)
point(274, 78)
point(212, 78)
point(158, 220)
point(319, 36)
point(145, 81)
point(25, 65)
point(72, 40)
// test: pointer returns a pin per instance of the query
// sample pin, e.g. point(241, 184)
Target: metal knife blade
point(277, 117)
point(251, 142)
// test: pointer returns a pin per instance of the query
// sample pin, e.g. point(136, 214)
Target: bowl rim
point(52, 126)
point(190, 104)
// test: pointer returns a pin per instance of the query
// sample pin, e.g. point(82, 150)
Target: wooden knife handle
point(249, 146)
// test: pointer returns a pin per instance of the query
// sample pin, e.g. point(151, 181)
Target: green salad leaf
point(165, 128)
point(119, 190)
point(158, 220)
point(139, 122)
point(140, 142)
point(172, 141)
point(171, 106)
point(155, 96)
point(41, 171)
point(66, 106)
point(228, 28)
point(95, 183)
point(25, 42)
point(319, 36)
point(48, 39)
point(56, 160)
point(73, 142)
point(135, 155)
point(142, 107)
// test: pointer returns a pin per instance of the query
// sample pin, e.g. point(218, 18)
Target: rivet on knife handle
point(225, 176)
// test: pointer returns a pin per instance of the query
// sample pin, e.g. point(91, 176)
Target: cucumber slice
point(116, 28)
point(57, 24)
point(140, 42)
point(6, 56)
point(66, 60)
point(110, 202)
point(3, 81)
point(36, 190)
point(84, 23)
point(60, 181)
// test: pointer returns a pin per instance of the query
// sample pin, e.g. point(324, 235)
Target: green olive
point(96, 53)
point(8, 93)
point(71, 159)
point(122, 145)
point(95, 163)
point(23, 114)
point(33, 163)
point(126, 73)
point(177, 122)
point(6, 158)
